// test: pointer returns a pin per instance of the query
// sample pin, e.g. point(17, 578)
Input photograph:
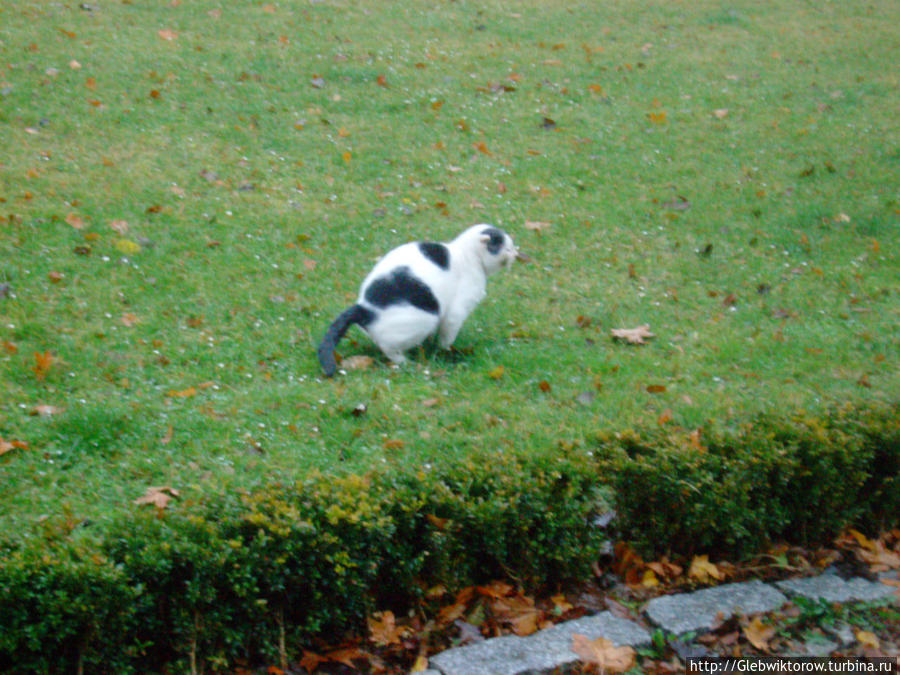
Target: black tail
point(356, 314)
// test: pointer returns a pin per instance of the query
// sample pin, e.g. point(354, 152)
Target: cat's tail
point(355, 314)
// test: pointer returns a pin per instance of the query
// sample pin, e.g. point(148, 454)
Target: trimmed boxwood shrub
point(254, 575)
point(244, 575)
point(65, 609)
point(798, 479)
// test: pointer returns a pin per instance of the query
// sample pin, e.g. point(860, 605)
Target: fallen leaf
point(42, 364)
point(127, 246)
point(657, 117)
point(536, 225)
point(633, 336)
point(482, 148)
point(129, 319)
point(430, 402)
point(55, 277)
point(358, 362)
point(165, 440)
point(656, 388)
point(75, 221)
point(383, 629)
point(183, 393)
point(720, 113)
point(167, 34)
point(393, 444)
point(496, 373)
point(45, 410)
point(759, 633)
point(311, 661)
point(561, 605)
point(544, 386)
point(157, 496)
point(602, 652)
point(519, 612)
point(120, 226)
point(868, 639)
point(703, 570)
point(6, 446)
point(346, 656)
point(381, 81)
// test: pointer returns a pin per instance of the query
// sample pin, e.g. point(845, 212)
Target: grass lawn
point(191, 191)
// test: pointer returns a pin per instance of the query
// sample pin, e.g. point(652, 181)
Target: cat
point(422, 288)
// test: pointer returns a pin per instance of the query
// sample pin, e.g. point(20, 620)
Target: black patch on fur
point(436, 253)
point(495, 243)
point(399, 287)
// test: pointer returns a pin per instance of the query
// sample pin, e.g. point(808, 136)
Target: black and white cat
point(420, 289)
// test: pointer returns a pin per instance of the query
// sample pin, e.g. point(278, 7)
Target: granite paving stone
point(832, 588)
point(543, 651)
point(703, 609)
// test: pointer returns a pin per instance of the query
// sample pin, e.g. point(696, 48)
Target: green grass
point(262, 166)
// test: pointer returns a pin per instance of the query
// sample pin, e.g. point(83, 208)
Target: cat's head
point(494, 247)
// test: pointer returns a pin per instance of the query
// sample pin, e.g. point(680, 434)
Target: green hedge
point(243, 576)
point(798, 479)
point(247, 577)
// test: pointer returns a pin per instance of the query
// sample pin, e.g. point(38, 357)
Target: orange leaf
point(42, 364)
point(381, 80)
point(657, 117)
point(167, 34)
point(482, 148)
point(393, 444)
point(184, 393)
point(544, 386)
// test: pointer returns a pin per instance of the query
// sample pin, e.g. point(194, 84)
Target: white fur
point(458, 291)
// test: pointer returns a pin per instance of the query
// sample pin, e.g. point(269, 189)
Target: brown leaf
point(45, 410)
point(184, 393)
point(6, 446)
point(167, 34)
point(635, 336)
point(430, 402)
point(129, 319)
point(720, 113)
point(120, 226)
point(544, 386)
point(602, 652)
point(383, 629)
point(393, 444)
point(496, 373)
point(536, 225)
point(165, 440)
point(157, 496)
point(358, 362)
point(656, 388)
point(759, 634)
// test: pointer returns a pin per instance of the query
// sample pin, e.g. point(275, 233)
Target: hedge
point(250, 577)
point(798, 479)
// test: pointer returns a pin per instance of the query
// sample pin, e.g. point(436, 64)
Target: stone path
point(701, 610)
